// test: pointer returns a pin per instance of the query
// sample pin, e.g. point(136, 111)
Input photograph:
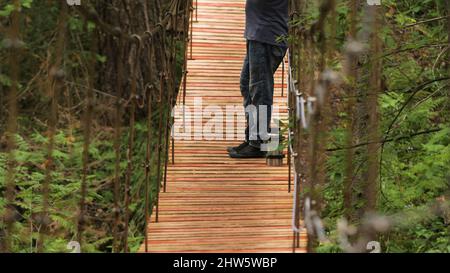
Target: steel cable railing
point(292, 91)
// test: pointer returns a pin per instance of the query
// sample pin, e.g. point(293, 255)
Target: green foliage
point(6, 10)
point(64, 196)
point(415, 168)
point(39, 31)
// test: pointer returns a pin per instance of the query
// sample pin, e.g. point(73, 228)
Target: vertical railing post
point(282, 78)
point(185, 69)
point(196, 10)
point(191, 35)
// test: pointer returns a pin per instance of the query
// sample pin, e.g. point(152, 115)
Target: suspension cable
point(148, 152)
point(133, 101)
point(161, 102)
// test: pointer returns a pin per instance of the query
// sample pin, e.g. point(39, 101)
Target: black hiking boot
point(237, 148)
point(248, 151)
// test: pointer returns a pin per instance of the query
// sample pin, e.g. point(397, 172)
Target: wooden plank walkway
point(214, 203)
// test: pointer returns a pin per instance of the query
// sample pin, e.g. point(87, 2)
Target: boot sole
point(236, 155)
point(231, 150)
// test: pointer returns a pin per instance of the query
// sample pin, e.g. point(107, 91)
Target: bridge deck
point(214, 203)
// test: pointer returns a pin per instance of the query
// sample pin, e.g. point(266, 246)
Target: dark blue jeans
point(257, 88)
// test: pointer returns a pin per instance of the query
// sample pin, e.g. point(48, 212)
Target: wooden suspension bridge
point(214, 203)
point(198, 200)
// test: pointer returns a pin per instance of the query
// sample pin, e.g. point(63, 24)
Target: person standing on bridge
point(266, 25)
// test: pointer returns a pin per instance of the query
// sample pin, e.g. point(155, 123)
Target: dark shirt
point(266, 21)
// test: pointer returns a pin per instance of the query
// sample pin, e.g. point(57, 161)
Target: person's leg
point(264, 60)
point(245, 92)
